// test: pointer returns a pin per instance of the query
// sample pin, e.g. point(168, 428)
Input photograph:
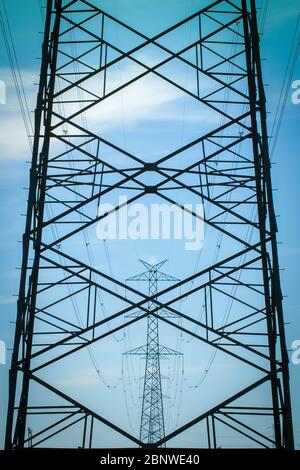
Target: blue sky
point(149, 17)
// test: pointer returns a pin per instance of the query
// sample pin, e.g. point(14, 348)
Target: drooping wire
point(16, 73)
point(26, 115)
point(84, 232)
point(263, 16)
point(262, 22)
point(286, 86)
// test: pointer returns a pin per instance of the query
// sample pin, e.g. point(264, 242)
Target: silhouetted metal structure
point(152, 417)
point(227, 169)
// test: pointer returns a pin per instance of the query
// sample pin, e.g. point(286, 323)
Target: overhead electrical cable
point(286, 87)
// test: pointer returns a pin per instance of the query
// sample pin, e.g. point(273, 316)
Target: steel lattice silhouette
point(152, 418)
point(226, 167)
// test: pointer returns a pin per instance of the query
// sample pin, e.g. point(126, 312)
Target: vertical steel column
point(273, 297)
point(152, 427)
point(152, 418)
point(288, 435)
point(35, 212)
point(262, 215)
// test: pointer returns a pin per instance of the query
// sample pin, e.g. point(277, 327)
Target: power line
point(16, 73)
point(262, 23)
point(26, 115)
point(285, 89)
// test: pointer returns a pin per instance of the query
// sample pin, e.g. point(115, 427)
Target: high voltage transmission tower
point(213, 58)
point(152, 419)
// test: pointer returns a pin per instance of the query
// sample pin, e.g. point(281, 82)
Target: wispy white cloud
point(146, 102)
point(7, 300)
point(13, 138)
point(143, 102)
point(87, 377)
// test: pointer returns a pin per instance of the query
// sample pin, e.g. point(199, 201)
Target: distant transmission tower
point(152, 419)
point(212, 60)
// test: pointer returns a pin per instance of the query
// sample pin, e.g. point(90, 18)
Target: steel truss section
point(227, 169)
point(152, 427)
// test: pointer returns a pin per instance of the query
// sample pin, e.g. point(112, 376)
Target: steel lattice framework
point(152, 418)
point(226, 167)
